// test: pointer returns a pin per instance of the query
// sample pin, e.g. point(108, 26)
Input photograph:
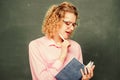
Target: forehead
point(70, 17)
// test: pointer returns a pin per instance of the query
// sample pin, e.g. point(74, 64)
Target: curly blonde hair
point(52, 20)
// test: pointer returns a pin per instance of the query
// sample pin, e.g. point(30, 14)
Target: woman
point(50, 53)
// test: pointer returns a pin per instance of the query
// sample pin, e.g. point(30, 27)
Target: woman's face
point(68, 25)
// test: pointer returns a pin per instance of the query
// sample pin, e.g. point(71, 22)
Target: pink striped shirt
point(43, 57)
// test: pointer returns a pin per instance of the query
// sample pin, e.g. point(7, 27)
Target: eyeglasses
point(68, 23)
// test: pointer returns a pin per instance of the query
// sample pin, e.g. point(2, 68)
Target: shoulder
point(74, 43)
point(37, 41)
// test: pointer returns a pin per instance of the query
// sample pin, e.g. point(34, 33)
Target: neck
point(57, 40)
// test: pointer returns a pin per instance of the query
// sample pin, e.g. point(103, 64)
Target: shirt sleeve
point(39, 68)
point(80, 57)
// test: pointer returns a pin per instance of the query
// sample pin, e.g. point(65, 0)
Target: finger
point(91, 74)
point(93, 67)
point(88, 70)
point(91, 71)
point(85, 70)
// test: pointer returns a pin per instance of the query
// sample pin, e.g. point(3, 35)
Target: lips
point(68, 33)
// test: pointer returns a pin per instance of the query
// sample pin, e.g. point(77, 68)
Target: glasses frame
point(69, 23)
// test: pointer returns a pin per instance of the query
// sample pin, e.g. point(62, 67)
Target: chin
point(67, 37)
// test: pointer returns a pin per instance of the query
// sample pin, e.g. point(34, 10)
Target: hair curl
point(55, 13)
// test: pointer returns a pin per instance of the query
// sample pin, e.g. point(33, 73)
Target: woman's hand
point(64, 48)
point(65, 44)
point(87, 74)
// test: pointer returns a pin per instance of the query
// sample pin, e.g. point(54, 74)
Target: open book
point(71, 71)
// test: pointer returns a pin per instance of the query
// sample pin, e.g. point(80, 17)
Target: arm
point(40, 70)
point(80, 57)
point(87, 74)
point(64, 50)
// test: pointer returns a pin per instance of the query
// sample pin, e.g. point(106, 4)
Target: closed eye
point(68, 23)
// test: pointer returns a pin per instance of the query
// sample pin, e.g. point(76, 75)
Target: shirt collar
point(51, 42)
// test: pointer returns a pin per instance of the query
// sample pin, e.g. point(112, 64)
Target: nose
point(72, 27)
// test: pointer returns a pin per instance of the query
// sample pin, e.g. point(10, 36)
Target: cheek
point(62, 29)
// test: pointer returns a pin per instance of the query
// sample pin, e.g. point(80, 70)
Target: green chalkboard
point(98, 34)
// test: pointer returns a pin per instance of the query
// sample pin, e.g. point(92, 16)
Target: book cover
point(71, 71)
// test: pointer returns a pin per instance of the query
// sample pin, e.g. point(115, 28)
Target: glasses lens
point(68, 23)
